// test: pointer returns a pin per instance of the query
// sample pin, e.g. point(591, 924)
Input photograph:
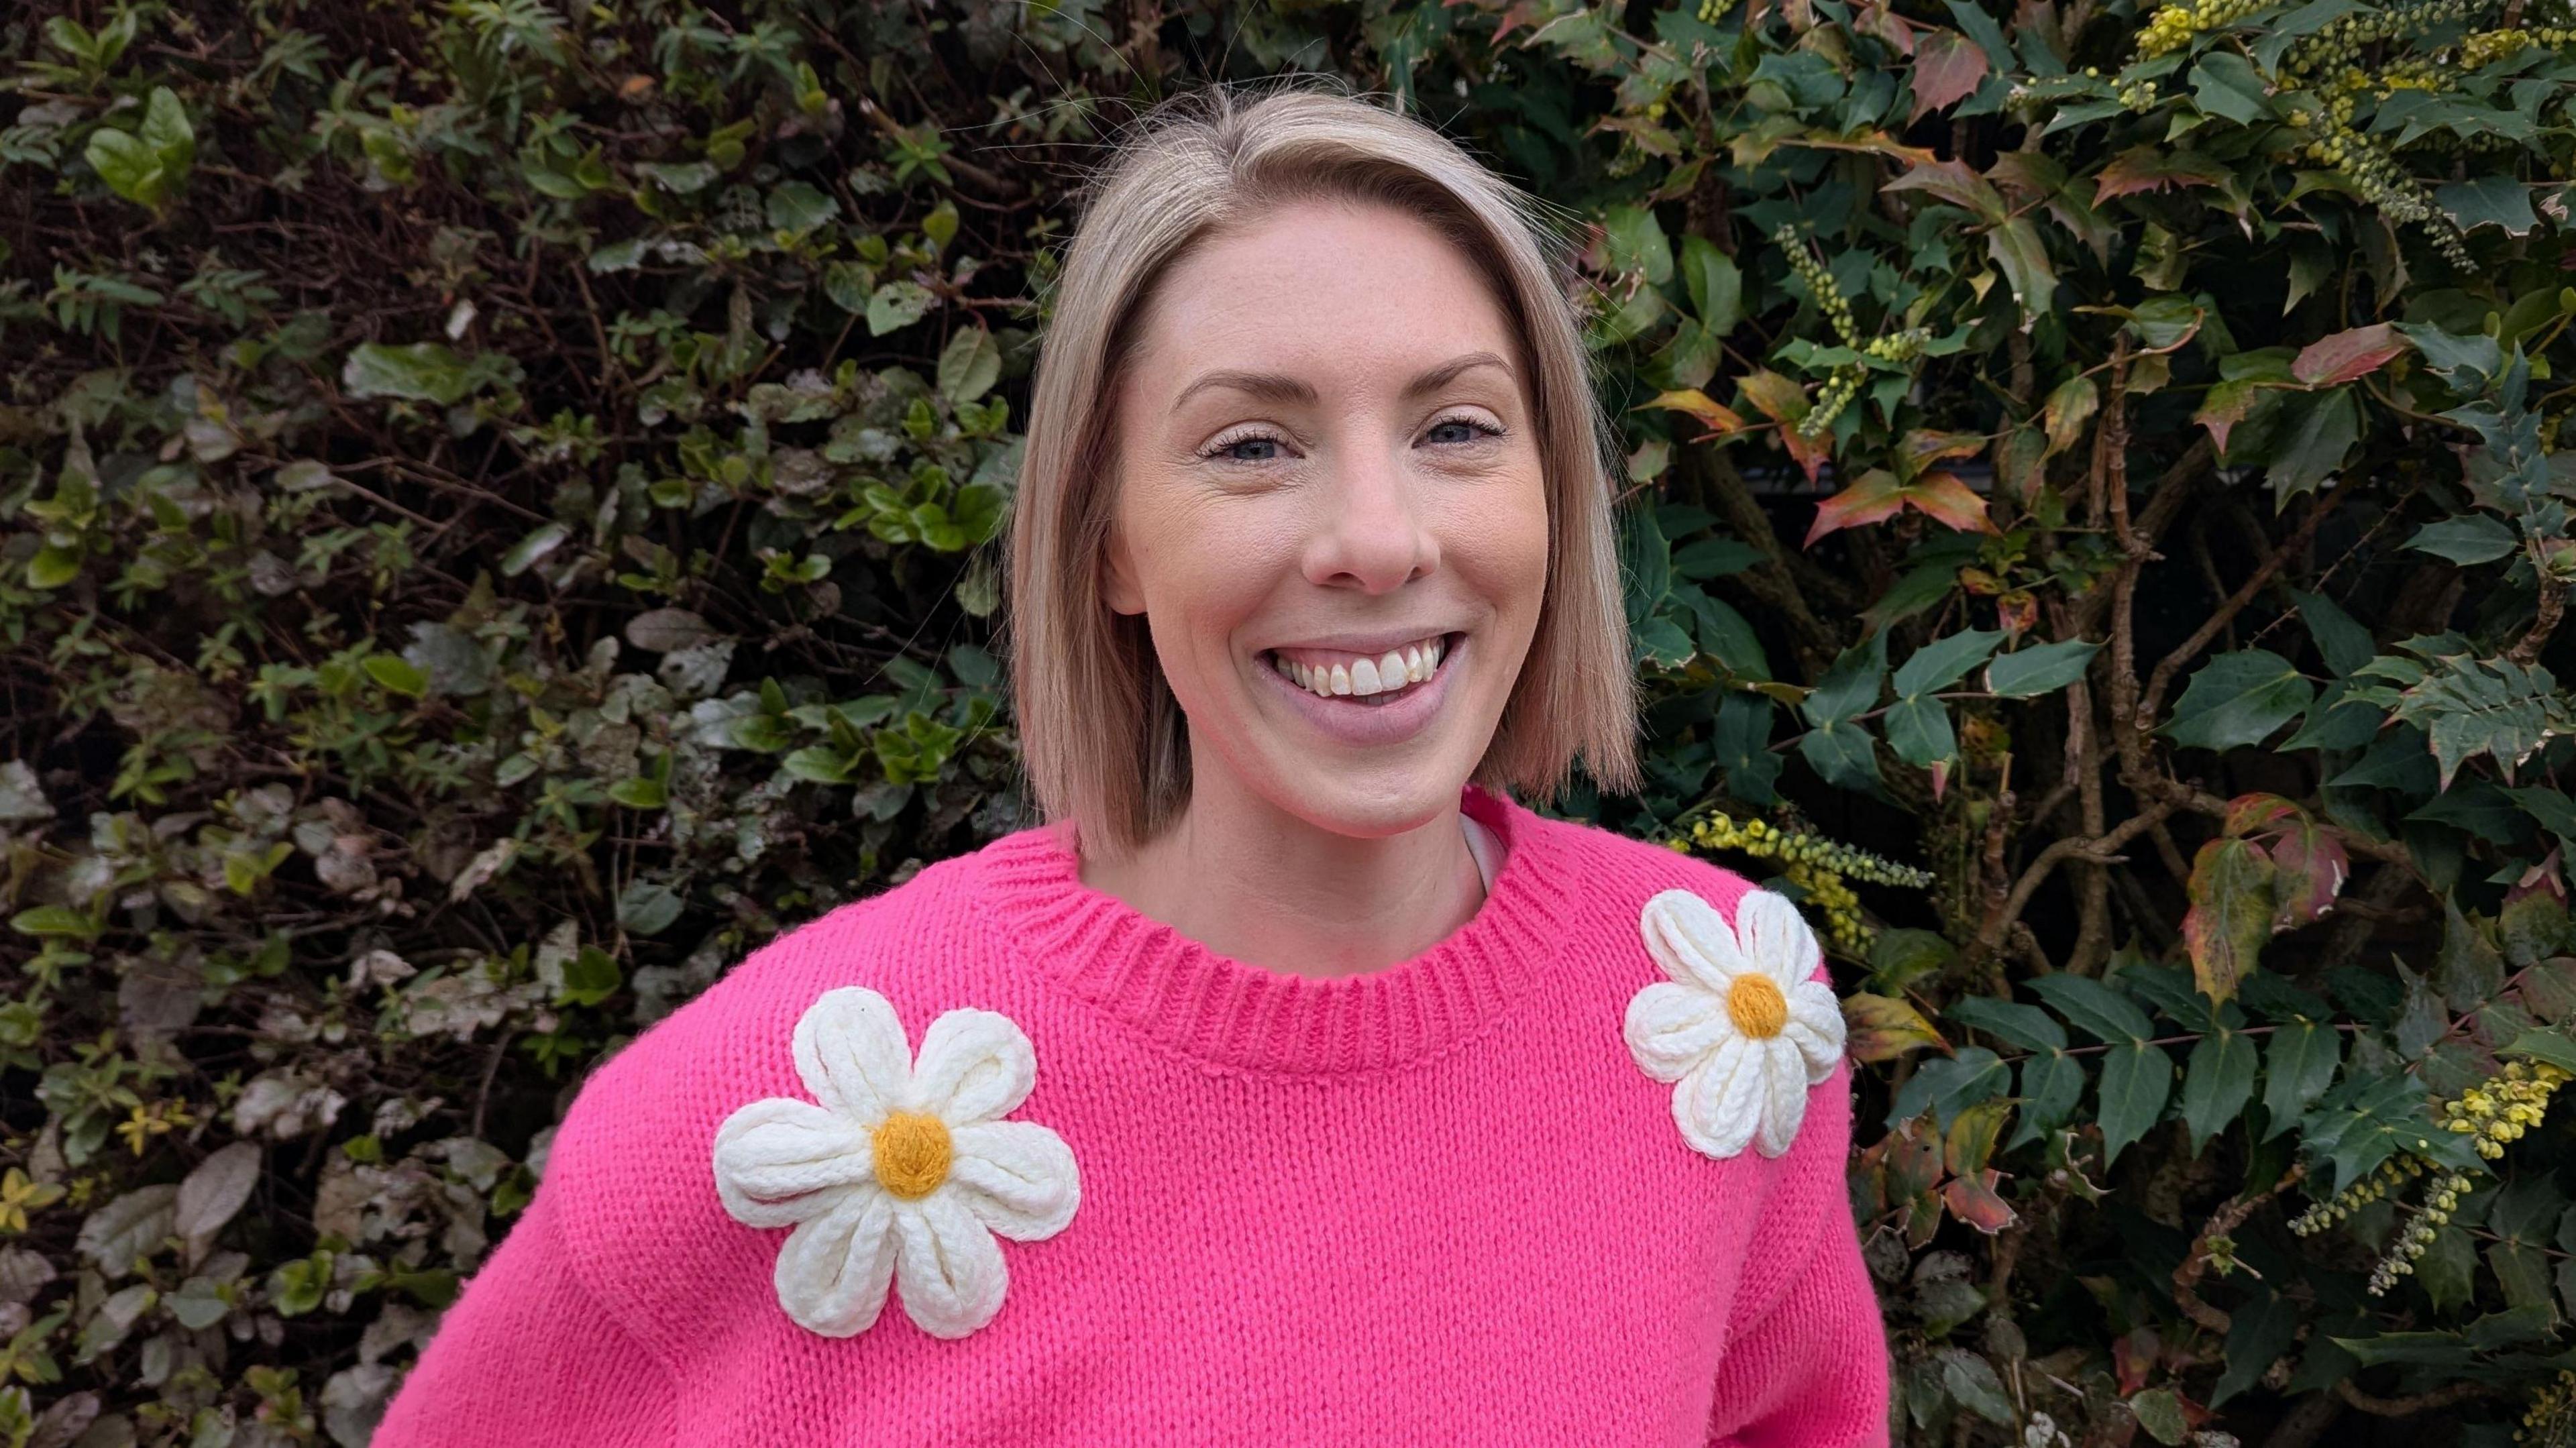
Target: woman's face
point(1330, 512)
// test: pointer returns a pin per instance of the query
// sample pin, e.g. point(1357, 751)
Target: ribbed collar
point(1177, 992)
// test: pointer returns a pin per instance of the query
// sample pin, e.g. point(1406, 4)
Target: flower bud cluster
point(2390, 1175)
point(1819, 867)
point(2174, 26)
point(2551, 1417)
point(2499, 1111)
point(2440, 1199)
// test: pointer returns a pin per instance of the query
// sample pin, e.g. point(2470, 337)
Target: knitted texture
point(1436, 1203)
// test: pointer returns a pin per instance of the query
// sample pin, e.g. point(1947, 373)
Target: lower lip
point(1347, 721)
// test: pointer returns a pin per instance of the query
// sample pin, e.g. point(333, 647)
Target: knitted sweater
point(1436, 1203)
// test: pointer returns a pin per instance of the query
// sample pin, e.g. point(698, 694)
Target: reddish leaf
point(1882, 1028)
point(2231, 911)
point(2226, 405)
point(1948, 67)
point(2147, 169)
point(1718, 418)
point(1920, 449)
point(2069, 407)
point(2252, 813)
point(2311, 866)
point(2346, 355)
point(1953, 182)
point(1977, 1203)
point(1876, 496)
point(1785, 402)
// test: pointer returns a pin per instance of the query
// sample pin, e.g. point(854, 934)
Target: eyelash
point(1216, 451)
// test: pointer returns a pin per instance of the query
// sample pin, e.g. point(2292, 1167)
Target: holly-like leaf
point(2151, 168)
point(2232, 905)
point(1882, 1028)
point(2239, 698)
point(2347, 355)
point(1785, 402)
point(2137, 1079)
point(1876, 496)
point(2217, 1082)
point(2039, 669)
point(1717, 418)
point(1947, 69)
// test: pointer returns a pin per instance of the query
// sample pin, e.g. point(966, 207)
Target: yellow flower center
point(912, 1153)
point(1756, 1004)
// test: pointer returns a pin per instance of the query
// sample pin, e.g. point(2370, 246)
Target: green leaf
point(2040, 669)
point(2467, 539)
point(1645, 563)
point(2023, 258)
point(2317, 431)
point(2260, 1331)
point(2028, 1027)
point(540, 541)
point(2494, 200)
point(2094, 1007)
point(1714, 558)
point(646, 907)
point(2226, 84)
point(1741, 742)
point(396, 674)
point(1634, 242)
point(2304, 1055)
point(799, 206)
point(2345, 644)
point(2136, 1079)
point(417, 372)
point(2217, 1082)
point(897, 305)
point(1716, 286)
point(52, 567)
point(2232, 906)
point(969, 365)
point(2237, 699)
point(1945, 661)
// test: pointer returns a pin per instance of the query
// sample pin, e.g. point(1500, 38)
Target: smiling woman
point(1326, 1093)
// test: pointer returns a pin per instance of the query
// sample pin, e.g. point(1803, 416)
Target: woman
point(1288, 1087)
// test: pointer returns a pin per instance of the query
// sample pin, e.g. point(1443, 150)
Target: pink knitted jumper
point(1437, 1203)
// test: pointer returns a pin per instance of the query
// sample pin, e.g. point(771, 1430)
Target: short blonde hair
point(1102, 737)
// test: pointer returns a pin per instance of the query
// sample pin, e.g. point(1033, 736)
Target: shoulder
point(1617, 869)
point(630, 1164)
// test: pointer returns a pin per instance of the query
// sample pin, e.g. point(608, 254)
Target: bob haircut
point(1103, 738)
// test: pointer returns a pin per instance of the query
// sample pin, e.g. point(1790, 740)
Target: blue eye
point(1476, 431)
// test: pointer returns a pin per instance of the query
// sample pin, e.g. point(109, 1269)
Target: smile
point(1377, 679)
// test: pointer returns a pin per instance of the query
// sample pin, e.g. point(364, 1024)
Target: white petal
point(1816, 1025)
point(1775, 937)
point(975, 1065)
point(1017, 1177)
point(832, 1271)
point(1719, 1103)
point(1691, 941)
point(1672, 1026)
point(851, 1053)
point(1784, 1095)
point(773, 1153)
point(949, 1266)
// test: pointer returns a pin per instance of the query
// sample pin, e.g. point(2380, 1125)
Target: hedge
point(495, 517)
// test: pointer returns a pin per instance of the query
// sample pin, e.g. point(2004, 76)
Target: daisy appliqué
point(899, 1170)
point(1739, 1028)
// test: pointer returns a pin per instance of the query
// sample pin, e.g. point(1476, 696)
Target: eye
point(1232, 448)
point(1463, 429)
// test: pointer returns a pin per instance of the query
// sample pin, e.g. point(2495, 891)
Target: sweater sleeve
point(527, 1356)
point(1806, 1360)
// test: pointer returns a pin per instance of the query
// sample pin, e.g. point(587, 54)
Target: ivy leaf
point(2238, 698)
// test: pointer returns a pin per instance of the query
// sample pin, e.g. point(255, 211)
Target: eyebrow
point(1278, 387)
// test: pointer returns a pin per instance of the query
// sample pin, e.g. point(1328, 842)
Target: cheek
point(1502, 545)
point(1203, 566)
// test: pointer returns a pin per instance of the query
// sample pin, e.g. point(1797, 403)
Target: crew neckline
point(1178, 993)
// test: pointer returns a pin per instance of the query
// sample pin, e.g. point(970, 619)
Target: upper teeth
point(1330, 673)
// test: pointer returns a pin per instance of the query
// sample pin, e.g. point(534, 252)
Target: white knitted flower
point(903, 1171)
point(1739, 1027)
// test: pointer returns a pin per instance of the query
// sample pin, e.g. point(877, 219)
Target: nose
point(1376, 533)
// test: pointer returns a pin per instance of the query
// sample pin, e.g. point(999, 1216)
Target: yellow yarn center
point(912, 1153)
point(1756, 1004)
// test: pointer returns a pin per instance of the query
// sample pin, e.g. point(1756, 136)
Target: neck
point(1253, 882)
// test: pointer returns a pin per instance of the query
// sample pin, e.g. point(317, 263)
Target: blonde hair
point(1103, 739)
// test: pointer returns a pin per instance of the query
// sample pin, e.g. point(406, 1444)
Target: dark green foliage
point(494, 516)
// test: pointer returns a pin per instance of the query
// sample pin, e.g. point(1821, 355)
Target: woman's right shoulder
point(631, 1164)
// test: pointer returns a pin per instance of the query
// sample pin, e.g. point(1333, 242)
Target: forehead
point(1323, 285)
